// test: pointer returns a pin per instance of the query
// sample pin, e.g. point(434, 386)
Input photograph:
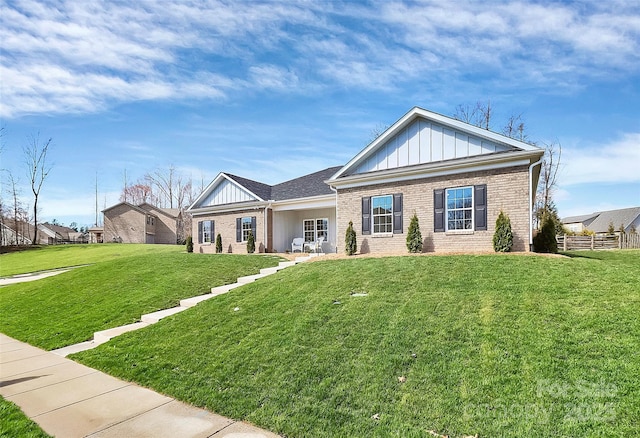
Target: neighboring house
point(599, 222)
point(12, 237)
point(454, 176)
point(144, 223)
point(51, 234)
point(95, 234)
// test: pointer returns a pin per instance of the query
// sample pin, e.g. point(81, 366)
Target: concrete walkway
point(71, 400)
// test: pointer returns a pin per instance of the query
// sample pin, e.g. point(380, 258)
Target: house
point(454, 176)
point(14, 236)
point(95, 234)
point(599, 222)
point(144, 223)
point(53, 234)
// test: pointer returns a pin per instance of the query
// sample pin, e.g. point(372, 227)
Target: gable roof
point(251, 191)
point(423, 138)
point(173, 213)
point(305, 186)
point(600, 220)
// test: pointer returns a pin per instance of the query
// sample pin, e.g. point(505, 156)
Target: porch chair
point(297, 244)
point(315, 246)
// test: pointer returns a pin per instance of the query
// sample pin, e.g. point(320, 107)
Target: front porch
point(309, 224)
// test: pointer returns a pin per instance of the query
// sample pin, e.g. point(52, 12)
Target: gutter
point(531, 201)
point(336, 236)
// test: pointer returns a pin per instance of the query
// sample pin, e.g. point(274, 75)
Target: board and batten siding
point(227, 193)
point(426, 142)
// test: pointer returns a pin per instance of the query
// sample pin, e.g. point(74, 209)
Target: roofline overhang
point(444, 168)
point(416, 112)
point(213, 184)
point(228, 208)
point(310, 202)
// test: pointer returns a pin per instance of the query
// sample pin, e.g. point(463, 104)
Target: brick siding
point(507, 190)
point(225, 225)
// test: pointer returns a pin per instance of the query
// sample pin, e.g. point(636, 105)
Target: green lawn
point(61, 256)
point(489, 345)
point(13, 423)
point(115, 290)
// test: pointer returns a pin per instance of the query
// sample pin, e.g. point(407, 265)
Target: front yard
point(122, 283)
point(459, 345)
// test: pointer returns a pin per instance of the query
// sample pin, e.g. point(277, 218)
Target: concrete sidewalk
point(71, 400)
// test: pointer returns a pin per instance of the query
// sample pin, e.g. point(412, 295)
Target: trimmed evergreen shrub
point(218, 244)
point(351, 245)
point(545, 240)
point(189, 244)
point(414, 236)
point(503, 236)
point(251, 243)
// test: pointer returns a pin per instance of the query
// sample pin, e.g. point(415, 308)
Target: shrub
point(351, 245)
point(218, 244)
point(545, 240)
point(611, 229)
point(251, 243)
point(414, 236)
point(189, 244)
point(503, 236)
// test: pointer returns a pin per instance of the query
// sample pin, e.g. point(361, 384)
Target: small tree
point(414, 236)
point(611, 229)
point(503, 236)
point(621, 229)
point(189, 244)
point(632, 229)
point(545, 240)
point(351, 245)
point(251, 243)
point(218, 244)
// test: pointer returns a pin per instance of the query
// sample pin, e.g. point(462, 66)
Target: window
point(205, 231)
point(382, 212)
point(313, 229)
point(246, 228)
point(459, 208)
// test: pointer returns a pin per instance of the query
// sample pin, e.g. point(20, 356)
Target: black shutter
point(397, 213)
point(366, 215)
point(238, 229)
point(480, 207)
point(438, 210)
point(213, 231)
point(200, 232)
point(253, 228)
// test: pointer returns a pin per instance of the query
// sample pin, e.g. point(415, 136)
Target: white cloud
point(72, 56)
point(615, 162)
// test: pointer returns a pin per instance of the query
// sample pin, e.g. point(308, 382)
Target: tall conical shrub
point(414, 236)
point(545, 240)
point(350, 243)
point(189, 244)
point(251, 243)
point(218, 244)
point(503, 236)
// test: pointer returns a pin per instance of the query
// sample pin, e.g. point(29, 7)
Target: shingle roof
point(305, 186)
point(600, 220)
point(260, 189)
point(624, 216)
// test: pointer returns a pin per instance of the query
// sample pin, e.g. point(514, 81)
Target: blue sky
point(274, 90)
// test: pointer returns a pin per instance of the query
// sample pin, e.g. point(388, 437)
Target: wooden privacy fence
point(625, 241)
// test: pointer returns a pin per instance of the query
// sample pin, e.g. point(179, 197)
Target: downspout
point(336, 236)
point(531, 194)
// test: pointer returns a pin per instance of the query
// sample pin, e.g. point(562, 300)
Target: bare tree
point(164, 180)
point(138, 193)
point(514, 128)
point(38, 169)
point(479, 115)
point(548, 183)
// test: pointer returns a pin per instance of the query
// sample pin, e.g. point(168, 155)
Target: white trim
point(531, 199)
point(207, 191)
point(228, 208)
point(417, 112)
point(473, 210)
point(383, 233)
point(432, 170)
